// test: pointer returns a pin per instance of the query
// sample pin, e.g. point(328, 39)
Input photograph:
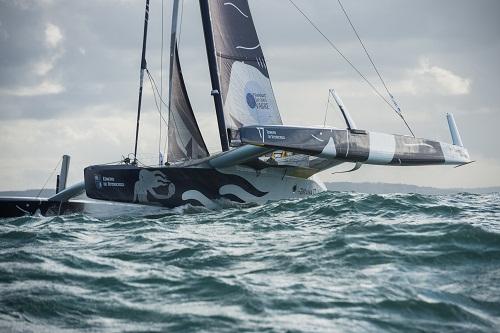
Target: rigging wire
point(116, 162)
point(366, 51)
point(153, 83)
point(156, 89)
point(397, 110)
point(155, 93)
point(50, 176)
point(153, 87)
point(158, 93)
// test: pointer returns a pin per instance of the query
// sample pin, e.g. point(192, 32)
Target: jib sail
point(184, 137)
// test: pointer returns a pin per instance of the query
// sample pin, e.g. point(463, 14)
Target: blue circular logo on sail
point(251, 101)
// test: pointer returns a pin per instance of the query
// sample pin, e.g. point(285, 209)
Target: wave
point(349, 261)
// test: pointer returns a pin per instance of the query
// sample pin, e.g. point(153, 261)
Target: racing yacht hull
point(198, 186)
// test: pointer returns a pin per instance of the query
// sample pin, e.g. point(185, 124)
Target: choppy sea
point(334, 262)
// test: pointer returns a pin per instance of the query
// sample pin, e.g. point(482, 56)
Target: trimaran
point(261, 159)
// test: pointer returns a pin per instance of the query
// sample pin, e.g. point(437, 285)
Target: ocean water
point(334, 262)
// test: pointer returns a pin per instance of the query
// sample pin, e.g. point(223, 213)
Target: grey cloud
point(459, 36)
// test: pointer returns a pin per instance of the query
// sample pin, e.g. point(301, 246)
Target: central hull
point(177, 186)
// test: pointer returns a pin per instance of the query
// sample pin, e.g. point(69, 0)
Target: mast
point(212, 65)
point(143, 67)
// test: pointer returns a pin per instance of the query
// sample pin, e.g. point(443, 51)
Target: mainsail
point(245, 87)
point(184, 137)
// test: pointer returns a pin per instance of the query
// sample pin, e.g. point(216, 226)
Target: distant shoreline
point(28, 193)
point(382, 188)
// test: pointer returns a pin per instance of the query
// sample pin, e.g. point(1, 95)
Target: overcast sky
point(69, 74)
